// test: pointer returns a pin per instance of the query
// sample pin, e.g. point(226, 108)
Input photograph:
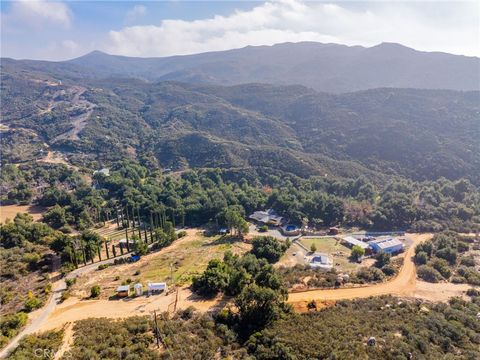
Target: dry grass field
point(9, 211)
point(185, 258)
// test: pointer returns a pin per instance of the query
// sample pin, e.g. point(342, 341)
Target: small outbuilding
point(138, 288)
point(333, 230)
point(123, 291)
point(156, 288)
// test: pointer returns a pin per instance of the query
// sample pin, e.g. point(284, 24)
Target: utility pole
point(176, 301)
point(157, 331)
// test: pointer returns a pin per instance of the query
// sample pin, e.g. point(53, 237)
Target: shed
point(138, 288)
point(123, 290)
point(156, 287)
point(388, 245)
point(333, 230)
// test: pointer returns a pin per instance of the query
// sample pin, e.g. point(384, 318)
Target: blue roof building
point(388, 245)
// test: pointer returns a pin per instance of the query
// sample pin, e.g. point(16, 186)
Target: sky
point(59, 30)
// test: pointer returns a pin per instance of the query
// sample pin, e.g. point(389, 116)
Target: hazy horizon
point(60, 30)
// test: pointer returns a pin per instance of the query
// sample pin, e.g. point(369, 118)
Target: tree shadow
point(225, 239)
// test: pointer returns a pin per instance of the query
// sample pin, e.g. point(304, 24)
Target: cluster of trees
point(26, 183)
point(224, 197)
point(446, 257)
point(39, 346)
point(402, 329)
point(259, 292)
point(25, 259)
point(341, 332)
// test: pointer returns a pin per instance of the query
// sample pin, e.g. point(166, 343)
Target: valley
point(241, 204)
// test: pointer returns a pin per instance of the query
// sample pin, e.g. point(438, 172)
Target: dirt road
point(404, 284)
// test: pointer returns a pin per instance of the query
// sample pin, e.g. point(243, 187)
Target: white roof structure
point(321, 260)
point(123, 288)
point(104, 171)
point(156, 286)
point(352, 241)
point(388, 243)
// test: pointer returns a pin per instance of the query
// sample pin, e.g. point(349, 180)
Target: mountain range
point(323, 67)
point(100, 108)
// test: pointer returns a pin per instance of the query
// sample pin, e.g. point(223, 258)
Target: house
point(156, 287)
point(333, 231)
point(268, 217)
point(321, 260)
point(123, 290)
point(104, 171)
point(388, 245)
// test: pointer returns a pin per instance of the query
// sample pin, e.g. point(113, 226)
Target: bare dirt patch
point(9, 211)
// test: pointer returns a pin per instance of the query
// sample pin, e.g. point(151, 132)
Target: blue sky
point(57, 30)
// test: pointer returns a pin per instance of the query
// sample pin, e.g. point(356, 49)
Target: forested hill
point(324, 67)
point(419, 134)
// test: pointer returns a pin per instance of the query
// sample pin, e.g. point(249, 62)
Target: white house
point(321, 260)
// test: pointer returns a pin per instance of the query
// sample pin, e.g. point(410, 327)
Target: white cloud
point(38, 13)
point(135, 12)
point(293, 20)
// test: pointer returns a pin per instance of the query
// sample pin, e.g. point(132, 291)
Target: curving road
point(402, 285)
point(57, 289)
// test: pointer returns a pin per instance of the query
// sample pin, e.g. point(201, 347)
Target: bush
point(70, 282)
point(370, 274)
point(103, 266)
point(428, 273)
point(467, 261)
point(388, 270)
point(462, 247)
point(421, 258)
point(32, 303)
point(263, 228)
point(381, 259)
point(473, 292)
point(10, 324)
point(181, 233)
point(95, 291)
point(357, 253)
point(269, 248)
point(441, 266)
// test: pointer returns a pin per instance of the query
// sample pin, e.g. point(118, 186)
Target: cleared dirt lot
point(183, 259)
point(9, 211)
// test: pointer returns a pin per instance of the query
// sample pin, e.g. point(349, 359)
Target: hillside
point(419, 134)
point(323, 67)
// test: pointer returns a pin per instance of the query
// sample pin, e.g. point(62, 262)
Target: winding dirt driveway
point(56, 315)
point(404, 284)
